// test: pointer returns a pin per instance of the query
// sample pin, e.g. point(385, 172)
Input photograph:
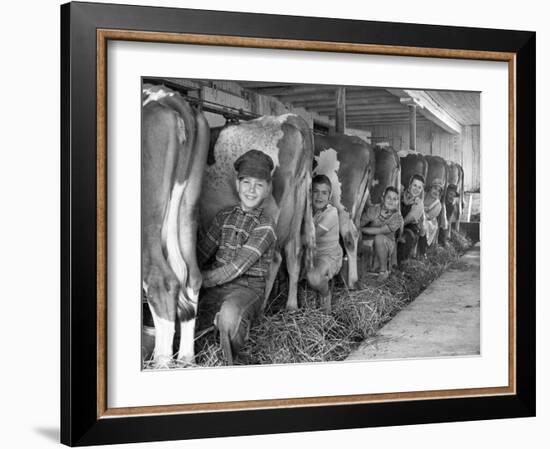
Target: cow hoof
point(291, 308)
point(163, 362)
point(186, 359)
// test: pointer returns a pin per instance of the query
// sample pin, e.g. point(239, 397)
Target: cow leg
point(187, 303)
point(271, 276)
point(293, 253)
point(186, 351)
point(164, 337)
point(351, 239)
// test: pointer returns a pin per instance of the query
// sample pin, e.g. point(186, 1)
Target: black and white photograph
point(286, 223)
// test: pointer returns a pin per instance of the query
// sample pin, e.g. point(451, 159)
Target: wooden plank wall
point(470, 143)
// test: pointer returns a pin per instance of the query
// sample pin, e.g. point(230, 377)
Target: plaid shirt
point(243, 242)
point(376, 216)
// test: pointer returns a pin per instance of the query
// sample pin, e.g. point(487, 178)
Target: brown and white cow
point(288, 141)
point(454, 197)
point(348, 161)
point(175, 141)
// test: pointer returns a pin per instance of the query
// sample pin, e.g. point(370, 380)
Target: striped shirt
point(242, 242)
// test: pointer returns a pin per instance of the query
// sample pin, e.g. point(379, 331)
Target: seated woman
point(381, 222)
point(328, 253)
point(412, 210)
point(432, 209)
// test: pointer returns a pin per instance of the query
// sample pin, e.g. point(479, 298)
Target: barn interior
point(431, 122)
point(437, 123)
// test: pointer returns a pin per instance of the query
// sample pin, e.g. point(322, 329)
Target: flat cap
point(254, 163)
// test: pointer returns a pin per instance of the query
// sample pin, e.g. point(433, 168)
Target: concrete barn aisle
point(442, 321)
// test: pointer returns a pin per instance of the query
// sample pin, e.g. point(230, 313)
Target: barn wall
point(430, 139)
point(470, 146)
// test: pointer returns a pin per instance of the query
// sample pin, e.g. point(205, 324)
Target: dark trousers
point(406, 248)
point(232, 307)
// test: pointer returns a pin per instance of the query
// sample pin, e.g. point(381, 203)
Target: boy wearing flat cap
point(242, 239)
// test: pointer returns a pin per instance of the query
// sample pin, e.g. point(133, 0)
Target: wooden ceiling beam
point(362, 111)
point(376, 117)
point(259, 84)
point(371, 124)
point(426, 106)
point(320, 101)
point(294, 90)
point(404, 120)
point(368, 109)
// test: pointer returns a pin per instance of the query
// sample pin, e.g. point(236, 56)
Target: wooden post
point(412, 127)
point(340, 110)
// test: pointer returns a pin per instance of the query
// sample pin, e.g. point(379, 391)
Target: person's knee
point(228, 318)
point(316, 279)
point(379, 241)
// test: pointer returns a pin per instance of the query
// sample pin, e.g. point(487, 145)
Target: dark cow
point(348, 161)
point(454, 198)
point(175, 142)
point(288, 141)
point(412, 163)
point(387, 173)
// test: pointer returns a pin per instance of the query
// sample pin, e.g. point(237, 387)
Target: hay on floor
point(311, 335)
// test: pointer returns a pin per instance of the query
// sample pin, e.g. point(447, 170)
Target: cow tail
point(185, 308)
point(308, 226)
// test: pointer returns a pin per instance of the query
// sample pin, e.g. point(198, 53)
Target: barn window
point(320, 128)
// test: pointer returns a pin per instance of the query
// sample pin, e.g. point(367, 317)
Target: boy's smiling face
point(417, 187)
point(391, 200)
point(252, 191)
point(321, 195)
